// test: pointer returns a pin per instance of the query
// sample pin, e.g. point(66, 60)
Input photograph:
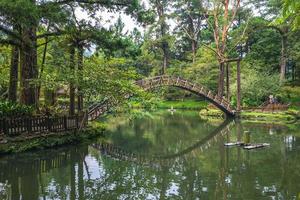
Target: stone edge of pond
point(19, 144)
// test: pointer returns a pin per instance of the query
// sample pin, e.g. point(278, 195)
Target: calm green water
point(162, 156)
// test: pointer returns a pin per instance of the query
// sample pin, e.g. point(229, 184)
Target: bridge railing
point(172, 80)
point(156, 81)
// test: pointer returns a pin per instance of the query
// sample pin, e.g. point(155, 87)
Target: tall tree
point(160, 7)
point(224, 14)
point(190, 16)
point(30, 14)
point(13, 78)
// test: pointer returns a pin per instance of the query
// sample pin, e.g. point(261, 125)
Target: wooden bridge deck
point(159, 81)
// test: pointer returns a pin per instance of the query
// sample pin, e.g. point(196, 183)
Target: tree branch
point(9, 32)
point(9, 42)
point(103, 2)
point(50, 34)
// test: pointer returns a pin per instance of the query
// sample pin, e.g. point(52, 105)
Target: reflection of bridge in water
point(20, 170)
point(157, 160)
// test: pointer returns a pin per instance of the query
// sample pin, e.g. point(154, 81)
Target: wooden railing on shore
point(14, 126)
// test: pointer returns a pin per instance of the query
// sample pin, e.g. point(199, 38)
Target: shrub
point(13, 109)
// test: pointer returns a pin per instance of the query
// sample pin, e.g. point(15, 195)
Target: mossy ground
point(254, 116)
point(21, 144)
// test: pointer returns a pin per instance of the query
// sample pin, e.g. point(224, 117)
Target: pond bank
point(42, 141)
point(206, 110)
point(254, 116)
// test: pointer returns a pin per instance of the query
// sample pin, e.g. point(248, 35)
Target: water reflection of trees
point(83, 172)
point(162, 134)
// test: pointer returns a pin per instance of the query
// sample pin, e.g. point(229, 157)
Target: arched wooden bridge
point(159, 81)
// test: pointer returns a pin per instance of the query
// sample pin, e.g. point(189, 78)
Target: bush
point(290, 94)
point(256, 87)
point(13, 109)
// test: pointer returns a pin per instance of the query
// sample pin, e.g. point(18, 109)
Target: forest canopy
point(67, 54)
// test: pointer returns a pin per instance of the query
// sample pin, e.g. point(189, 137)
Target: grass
point(263, 116)
point(187, 104)
point(204, 110)
point(254, 116)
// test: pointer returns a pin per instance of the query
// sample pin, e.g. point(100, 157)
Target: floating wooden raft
point(255, 146)
point(234, 144)
point(247, 146)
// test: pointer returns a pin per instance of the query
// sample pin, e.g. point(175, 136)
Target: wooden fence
point(14, 126)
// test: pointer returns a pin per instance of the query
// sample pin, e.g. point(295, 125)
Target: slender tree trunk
point(29, 71)
point(283, 60)
point(221, 80)
point(43, 62)
point(228, 82)
point(50, 97)
point(166, 57)
point(194, 50)
point(163, 31)
point(238, 79)
point(80, 67)
point(293, 74)
point(13, 79)
point(193, 37)
point(72, 87)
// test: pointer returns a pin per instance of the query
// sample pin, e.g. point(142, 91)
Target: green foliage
point(264, 46)
point(4, 68)
point(114, 59)
point(13, 109)
point(108, 78)
point(291, 12)
point(203, 71)
point(256, 86)
point(290, 95)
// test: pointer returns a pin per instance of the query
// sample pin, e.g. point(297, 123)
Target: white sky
point(109, 18)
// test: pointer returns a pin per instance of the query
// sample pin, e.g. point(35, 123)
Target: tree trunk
point(29, 70)
point(221, 80)
point(228, 82)
point(43, 63)
point(13, 79)
point(80, 67)
point(163, 31)
point(238, 79)
point(165, 47)
point(194, 50)
point(193, 37)
point(72, 87)
point(283, 59)
point(50, 97)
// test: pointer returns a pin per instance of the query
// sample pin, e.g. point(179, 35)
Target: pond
point(161, 155)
